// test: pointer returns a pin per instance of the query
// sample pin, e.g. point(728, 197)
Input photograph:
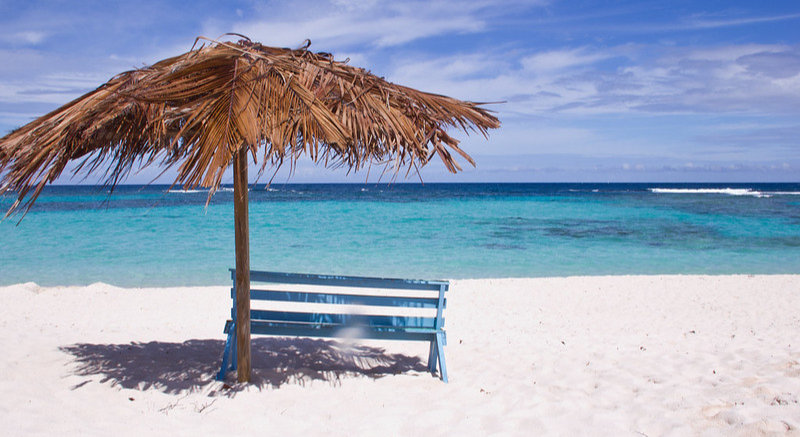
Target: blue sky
point(593, 91)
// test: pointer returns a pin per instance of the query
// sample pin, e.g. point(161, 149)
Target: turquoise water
point(151, 236)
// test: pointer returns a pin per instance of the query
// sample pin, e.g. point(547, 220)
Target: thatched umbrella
point(207, 109)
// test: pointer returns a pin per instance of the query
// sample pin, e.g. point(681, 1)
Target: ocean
point(157, 236)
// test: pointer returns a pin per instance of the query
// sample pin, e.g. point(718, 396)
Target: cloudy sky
point(592, 91)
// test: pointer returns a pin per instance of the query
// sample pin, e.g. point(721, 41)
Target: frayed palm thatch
point(198, 109)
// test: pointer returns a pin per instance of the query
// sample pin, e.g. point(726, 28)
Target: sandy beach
point(632, 355)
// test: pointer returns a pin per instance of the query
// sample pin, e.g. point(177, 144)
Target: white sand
point(646, 355)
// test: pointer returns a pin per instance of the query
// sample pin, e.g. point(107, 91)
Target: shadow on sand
point(193, 364)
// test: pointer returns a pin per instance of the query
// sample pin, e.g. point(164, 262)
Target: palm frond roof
point(197, 109)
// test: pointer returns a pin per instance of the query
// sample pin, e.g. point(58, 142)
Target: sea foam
point(219, 190)
point(186, 191)
point(728, 191)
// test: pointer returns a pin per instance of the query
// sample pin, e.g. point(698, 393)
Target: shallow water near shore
point(154, 236)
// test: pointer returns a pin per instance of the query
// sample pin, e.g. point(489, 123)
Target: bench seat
point(334, 331)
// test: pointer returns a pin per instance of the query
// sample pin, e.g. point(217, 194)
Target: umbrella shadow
point(192, 365)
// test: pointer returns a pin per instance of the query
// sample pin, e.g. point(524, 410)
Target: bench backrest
point(345, 300)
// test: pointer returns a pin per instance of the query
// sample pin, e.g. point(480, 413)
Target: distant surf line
point(727, 191)
point(221, 189)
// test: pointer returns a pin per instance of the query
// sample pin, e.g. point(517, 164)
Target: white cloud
point(530, 137)
point(706, 23)
point(561, 59)
point(696, 22)
point(57, 88)
point(29, 37)
point(451, 67)
point(374, 24)
point(725, 53)
point(25, 37)
point(650, 79)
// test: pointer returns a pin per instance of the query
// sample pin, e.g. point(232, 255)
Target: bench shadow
point(192, 365)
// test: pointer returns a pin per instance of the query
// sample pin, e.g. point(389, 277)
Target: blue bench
point(303, 291)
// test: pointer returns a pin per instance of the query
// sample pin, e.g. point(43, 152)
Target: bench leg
point(432, 357)
point(440, 342)
point(233, 347)
point(226, 354)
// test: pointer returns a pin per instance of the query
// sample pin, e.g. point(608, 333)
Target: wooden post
point(240, 211)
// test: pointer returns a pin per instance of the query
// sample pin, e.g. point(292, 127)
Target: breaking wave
point(728, 191)
point(186, 191)
point(219, 190)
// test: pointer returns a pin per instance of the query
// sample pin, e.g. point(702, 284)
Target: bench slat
point(343, 281)
point(343, 299)
point(345, 319)
point(305, 330)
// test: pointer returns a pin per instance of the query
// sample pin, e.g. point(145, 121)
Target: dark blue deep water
point(153, 236)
